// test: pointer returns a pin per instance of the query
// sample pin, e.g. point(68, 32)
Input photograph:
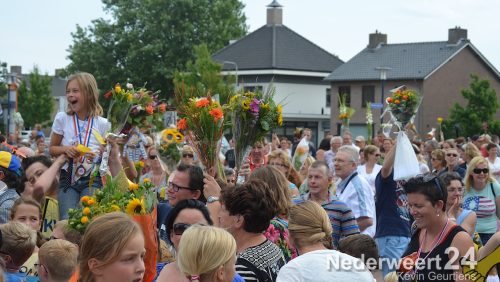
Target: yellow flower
point(133, 186)
point(135, 206)
point(280, 119)
point(280, 109)
point(178, 137)
point(129, 97)
point(139, 164)
point(233, 99)
point(115, 208)
point(264, 106)
point(84, 219)
point(146, 180)
point(440, 120)
point(90, 202)
point(118, 88)
point(86, 211)
point(245, 104)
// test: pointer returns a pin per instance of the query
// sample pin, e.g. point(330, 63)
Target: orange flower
point(405, 97)
point(216, 113)
point(396, 102)
point(149, 109)
point(85, 199)
point(389, 100)
point(202, 103)
point(182, 124)
point(108, 94)
point(84, 219)
point(90, 202)
point(162, 107)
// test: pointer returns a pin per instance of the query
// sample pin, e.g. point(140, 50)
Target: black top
point(437, 266)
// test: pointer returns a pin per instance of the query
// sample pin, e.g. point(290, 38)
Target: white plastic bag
point(301, 153)
point(405, 162)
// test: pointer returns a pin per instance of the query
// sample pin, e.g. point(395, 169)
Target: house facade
point(276, 55)
point(437, 70)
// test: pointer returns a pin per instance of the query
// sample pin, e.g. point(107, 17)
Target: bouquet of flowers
point(168, 144)
point(121, 195)
point(145, 109)
point(203, 120)
point(403, 105)
point(345, 112)
point(253, 115)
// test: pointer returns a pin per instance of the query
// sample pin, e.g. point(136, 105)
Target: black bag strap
point(493, 191)
point(349, 180)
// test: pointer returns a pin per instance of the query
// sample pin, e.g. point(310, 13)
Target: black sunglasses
point(435, 179)
point(179, 228)
point(152, 157)
point(187, 155)
point(479, 170)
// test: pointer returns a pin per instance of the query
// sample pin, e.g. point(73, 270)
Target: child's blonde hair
point(18, 241)
point(88, 87)
point(60, 258)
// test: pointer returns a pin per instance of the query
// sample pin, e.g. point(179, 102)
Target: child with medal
point(75, 128)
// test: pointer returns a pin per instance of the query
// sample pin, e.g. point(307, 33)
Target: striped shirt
point(483, 202)
point(341, 216)
point(260, 263)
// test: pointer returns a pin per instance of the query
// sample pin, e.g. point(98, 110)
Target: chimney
point(58, 72)
point(16, 70)
point(376, 38)
point(274, 13)
point(456, 34)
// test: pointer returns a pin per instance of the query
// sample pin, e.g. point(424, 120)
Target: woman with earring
point(438, 244)
point(482, 195)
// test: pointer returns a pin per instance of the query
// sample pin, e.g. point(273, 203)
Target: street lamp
point(383, 77)
point(235, 67)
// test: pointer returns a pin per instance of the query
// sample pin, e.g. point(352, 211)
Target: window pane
point(368, 94)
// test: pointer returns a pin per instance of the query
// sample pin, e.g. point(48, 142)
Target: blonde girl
point(78, 125)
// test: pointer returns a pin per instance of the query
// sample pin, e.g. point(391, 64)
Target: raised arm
point(388, 162)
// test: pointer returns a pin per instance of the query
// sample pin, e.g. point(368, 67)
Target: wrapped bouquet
point(203, 120)
point(121, 195)
point(253, 116)
point(403, 105)
point(345, 112)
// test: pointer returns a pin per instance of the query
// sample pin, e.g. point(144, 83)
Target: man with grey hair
point(335, 144)
point(354, 190)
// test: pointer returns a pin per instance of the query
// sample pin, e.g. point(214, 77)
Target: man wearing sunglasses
point(452, 163)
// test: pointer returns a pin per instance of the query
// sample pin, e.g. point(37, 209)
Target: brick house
point(438, 70)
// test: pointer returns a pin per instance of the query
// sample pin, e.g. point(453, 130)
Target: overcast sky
point(35, 32)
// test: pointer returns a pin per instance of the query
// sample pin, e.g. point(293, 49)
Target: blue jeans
point(69, 196)
point(391, 248)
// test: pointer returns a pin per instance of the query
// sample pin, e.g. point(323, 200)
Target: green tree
point(35, 101)
point(147, 40)
point(478, 116)
point(203, 76)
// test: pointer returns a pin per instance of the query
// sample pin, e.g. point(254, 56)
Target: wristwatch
point(212, 199)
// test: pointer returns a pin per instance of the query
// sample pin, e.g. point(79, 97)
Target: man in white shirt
point(355, 190)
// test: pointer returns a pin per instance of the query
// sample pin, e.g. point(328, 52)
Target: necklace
point(434, 245)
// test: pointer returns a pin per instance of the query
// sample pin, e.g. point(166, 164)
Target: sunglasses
point(479, 170)
point(153, 157)
point(187, 155)
point(433, 178)
point(451, 155)
point(179, 228)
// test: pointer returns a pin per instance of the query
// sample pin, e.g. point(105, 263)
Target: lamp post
point(383, 77)
point(235, 67)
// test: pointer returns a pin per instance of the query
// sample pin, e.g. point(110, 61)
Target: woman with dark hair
point(438, 243)
point(454, 211)
point(246, 212)
point(324, 146)
point(183, 215)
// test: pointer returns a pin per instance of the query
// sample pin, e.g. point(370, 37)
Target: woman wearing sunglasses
point(482, 195)
point(181, 217)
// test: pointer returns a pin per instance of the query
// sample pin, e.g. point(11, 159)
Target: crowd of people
point(340, 216)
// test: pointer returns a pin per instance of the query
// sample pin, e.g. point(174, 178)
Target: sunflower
point(178, 137)
point(133, 186)
point(135, 206)
point(167, 135)
point(246, 104)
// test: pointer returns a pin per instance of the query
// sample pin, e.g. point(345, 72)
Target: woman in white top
point(493, 160)
point(370, 168)
point(311, 232)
